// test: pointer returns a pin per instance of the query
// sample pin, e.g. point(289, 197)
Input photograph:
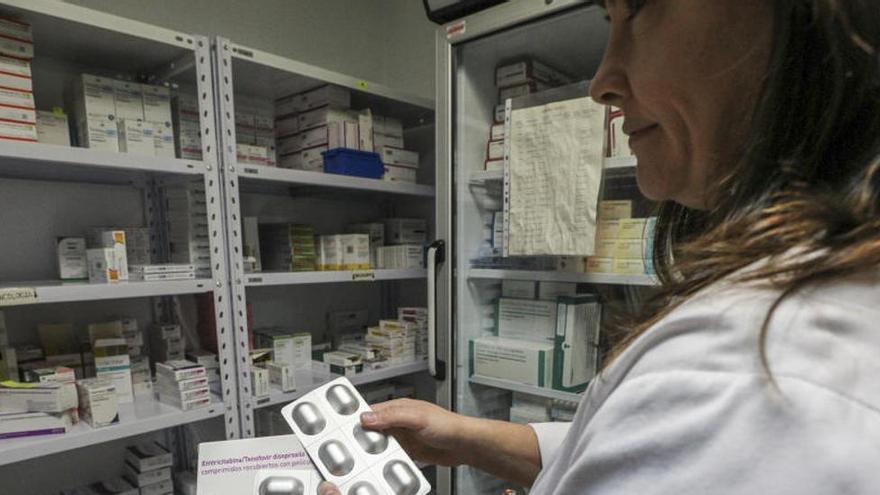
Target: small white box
point(179, 369)
point(38, 397)
point(166, 383)
point(114, 367)
point(172, 394)
point(189, 405)
point(526, 71)
point(27, 116)
point(163, 139)
point(376, 231)
point(103, 266)
point(147, 456)
point(94, 96)
point(16, 425)
point(324, 116)
point(98, 402)
point(310, 159)
point(161, 488)
point(398, 157)
point(72, 261)
point(550, 291)
point(18, 131)
point(169, 332)
point(330, 256)
point(52, 128)
point(495, 150)
point(317, 137)
point(282, 375)
point(115, 240)
point(136, 137)
point(355, 251)
point(526, 319)
point(157, 104)
point(381, 140)
point(529, 363)
point(403, 257)
point(405, 231)
point(146, 478)
point(400, 174)
point(387, 126)
point(287, 126)
point(205, 358)
point(497, 132)
point(351, 139)
point(16, 99)
point(365, 131)
point(98, 133)
point(329, 95)
point(519, 289)
point(17, 39)
point(259, 382)
point(129, 100)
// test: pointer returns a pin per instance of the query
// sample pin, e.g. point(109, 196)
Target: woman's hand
point(427, 432)
point(327, 488)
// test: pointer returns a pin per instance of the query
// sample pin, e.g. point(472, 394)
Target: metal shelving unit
point(557, 276)
point(71, 40)
point(246, 73)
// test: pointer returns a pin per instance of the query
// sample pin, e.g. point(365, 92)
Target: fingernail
point(368, 417)
point(325, 488)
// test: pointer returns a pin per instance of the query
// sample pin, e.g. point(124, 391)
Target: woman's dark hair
point(808, 181)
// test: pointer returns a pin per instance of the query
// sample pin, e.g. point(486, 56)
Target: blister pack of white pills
point(358, 461)
point(286, 482)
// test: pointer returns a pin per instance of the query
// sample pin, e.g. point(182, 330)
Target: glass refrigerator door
point(571, 40)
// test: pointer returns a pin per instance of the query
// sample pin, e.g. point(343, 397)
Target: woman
point(756, 123)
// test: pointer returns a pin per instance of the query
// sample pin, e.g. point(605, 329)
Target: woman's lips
point(636, 135)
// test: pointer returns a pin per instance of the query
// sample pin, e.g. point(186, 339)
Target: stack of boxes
point(182, 384)
point(288, 247)
point(161, 272)
point(401, 165)
point(255, 135)
point(212, 368)
point(344, 252)
point(310, 123)
point(514, 80)
point(46, 406)
point(405, 238)
point(419, 318)
point(170, 346)
point(623, 243)
point(289, 351)
point(17, 111)
point(395, 340)
point(148, 467)
point(188, 230)
point(112, 362)
point(126, 116)
point(107, 256)
point(188, 138)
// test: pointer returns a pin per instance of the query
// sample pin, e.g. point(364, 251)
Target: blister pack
point(358, 461)
point(286, 482)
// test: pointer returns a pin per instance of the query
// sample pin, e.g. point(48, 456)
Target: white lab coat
point(688, 409)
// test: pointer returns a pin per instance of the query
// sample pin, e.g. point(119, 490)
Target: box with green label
point(520, 361)
point(576, 350)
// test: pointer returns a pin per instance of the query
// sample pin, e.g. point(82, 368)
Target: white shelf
point(308, 380)
point(611, 163)
point(144, 415)
point(56, 291)
point(615, 162)
point(304, 278)
point(331, 181)
point(46, 161)
point(526, 389)
point(553, 276)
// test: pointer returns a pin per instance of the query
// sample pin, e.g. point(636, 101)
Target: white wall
point(390, 42)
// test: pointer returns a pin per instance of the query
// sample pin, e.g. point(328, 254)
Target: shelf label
point(14, 296)
point(363, 85)
point(456, 29)
point(254, 171)
point(363, 276)
point(255, 280)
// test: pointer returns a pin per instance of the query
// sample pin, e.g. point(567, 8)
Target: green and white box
point(526, 319)
point(576, 353)
point(520, 361)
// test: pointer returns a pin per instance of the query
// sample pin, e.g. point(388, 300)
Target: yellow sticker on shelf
point(363, 85)
point(363, 276)
point(15, 296)
point(58, 111)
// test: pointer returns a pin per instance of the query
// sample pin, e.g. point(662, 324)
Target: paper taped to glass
point(553, 178)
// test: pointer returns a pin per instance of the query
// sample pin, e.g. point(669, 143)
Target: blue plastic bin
point(345, 161)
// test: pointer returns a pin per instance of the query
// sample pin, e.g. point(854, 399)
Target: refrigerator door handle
point(436, 255)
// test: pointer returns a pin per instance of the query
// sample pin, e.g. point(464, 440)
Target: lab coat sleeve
point(550, 437)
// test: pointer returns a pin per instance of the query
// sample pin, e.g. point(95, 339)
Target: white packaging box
point(285, 107)
point(214, 477)
point(292, 144)
point(250, 154)
point(147, 456)
point(16, 425)
point(398, 157)
point(173, 395)
point(251, 244)
point(576, 358)
point(245, 134)
point(342, 135)
point(157, 104)
point(498, 230)
point(136, 137)
point(287, 126)
point(17, 99)
point(98, 402)
point(163, 139)
point(129, 100)
point(115, 369)
point(111, 239)
point(520, 361)
point(38, 397)
point(189, 405)
point(179, 369)
point(16, 48)
point(93, 96)
point(293, 349)
point(264, 120)
point(259, 382)
point(324, 116)
point(405, 231)
point(18, 132)
point(500, 112)
point(329, 95)
point(365, 131)
point(520, 90)
point(529, 70)
point(166, 383)
point(161, 488)
point(17, 39)
point(16, 74)
point(495, 150)
point(387, 126)
point(137, 246)
point(376, 231)
point(282, 375)
point(526, 319)
point(169, 332)
point(98, 133)
point(497, 132)
point(550, 291)
point(146, 478)
point(355, 251)
point(330, 255)
point(320, 136)
point(15, 115)
point(381, 140)
point(103, 265)
point(72, 261)
point(400, 174)
point(403, 257)
point(205, 358)
point(52, 128)
point(519, 289)
point(312, 158)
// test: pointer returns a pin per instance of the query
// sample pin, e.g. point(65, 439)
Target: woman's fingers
point(402, 413)
point(327, 488)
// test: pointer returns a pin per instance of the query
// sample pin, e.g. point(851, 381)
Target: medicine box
point(259, 382)
point(629, 266)
point(29, 424)
point(387, 126)
point(605, 248)
point(163, 139)
point(519, 289)
point(161, 488)
point(72, 261)
point(550, 291)
point(98, 402)
point(405, 231)
point(189, 405)
point(129, 100)
point(52, 128)
point(205, 358)
point(381, 140)
point(136, 137)
point(398, 157)
point(148, 456)
point(525, 362)
point(329, 95)
point(16, 39)
point(632, 228)
point(576, 355)
point(37, 397)
point(495, 151)
point(93, 97)
point(330, 253)
point(355, 251)
point(496, 133)
point(400, 174)
point(365, 131)
point(404, 257)
point(529, 70)
point(178, 370)
point(103, 266)
point(146, 478)
point(111, 239)
point(629, 248)
point(18, 131)
point(113, 364)
point(526, 319)
point(615, 210)
point(324, 116)
point(599, 265)
point(157, 104)
point(282, 375)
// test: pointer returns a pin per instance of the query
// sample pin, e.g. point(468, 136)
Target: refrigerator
point(467, 269)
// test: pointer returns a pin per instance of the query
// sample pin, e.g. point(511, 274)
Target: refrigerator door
point(569, 36)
